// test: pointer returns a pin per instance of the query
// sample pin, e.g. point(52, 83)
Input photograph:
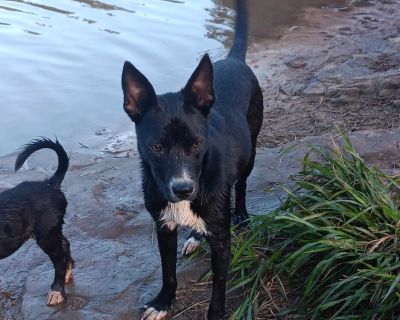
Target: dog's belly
point(180, 213)
point(9, 246)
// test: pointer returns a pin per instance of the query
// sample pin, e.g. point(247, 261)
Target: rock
point(353, 92)
point(346, 95)
point(297, 63)
point(362, 3)
point(346, 31)
point(390, 83)
point(315, 88)
point(377, 85)
point(386, 93)
point(101, 131)
point(396, 103)
point(342, 99)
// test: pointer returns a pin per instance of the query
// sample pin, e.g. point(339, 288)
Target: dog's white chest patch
point(181, 214)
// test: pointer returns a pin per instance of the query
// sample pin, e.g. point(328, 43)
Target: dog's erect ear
point(139, 94)
point(199, 91)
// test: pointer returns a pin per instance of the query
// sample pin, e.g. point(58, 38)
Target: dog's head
point(171, 129)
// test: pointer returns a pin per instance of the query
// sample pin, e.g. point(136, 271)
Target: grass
point(331, 251)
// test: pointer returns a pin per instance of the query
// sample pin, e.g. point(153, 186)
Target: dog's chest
point(181, 214)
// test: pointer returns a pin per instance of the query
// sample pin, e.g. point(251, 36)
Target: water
point(61, 61)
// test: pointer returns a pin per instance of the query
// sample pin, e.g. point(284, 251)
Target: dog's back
point(29, 208)
point(33, 207)
point(238, 111)
point(237, 114)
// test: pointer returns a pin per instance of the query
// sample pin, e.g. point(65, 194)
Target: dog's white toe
point(190, 246)
point(153, 314)
point(54, 298)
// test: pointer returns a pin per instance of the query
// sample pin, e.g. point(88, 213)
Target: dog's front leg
point(167, 244)
point(220, 256)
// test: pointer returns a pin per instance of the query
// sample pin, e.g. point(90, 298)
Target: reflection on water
point(266, 17)
point(42, 6)
point(102, 5)
point(61, 60)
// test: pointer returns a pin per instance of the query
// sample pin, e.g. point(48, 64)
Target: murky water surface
point(60, 61)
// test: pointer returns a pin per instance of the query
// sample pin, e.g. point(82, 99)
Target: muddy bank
point(337, 66)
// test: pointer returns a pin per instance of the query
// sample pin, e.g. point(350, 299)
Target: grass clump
point(334, 242)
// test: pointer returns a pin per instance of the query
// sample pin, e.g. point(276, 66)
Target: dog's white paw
point(54, 298)
point(153, 314)
point(190, 246)
point(68, 274)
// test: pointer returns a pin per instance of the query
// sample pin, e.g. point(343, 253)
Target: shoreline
point(333, 68)
point(317, 74)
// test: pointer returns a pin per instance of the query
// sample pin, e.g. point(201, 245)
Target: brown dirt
point(334, 68)
point(195, 306)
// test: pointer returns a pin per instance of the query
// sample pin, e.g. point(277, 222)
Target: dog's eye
point(156, 147)
point(196, 146)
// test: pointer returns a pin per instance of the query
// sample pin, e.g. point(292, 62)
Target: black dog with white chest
point(36, 209)
point(195, 145)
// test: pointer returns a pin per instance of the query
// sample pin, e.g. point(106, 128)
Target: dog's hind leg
point(192, 243)
point(240, 215)
point(254, 119)
point(70, 263)
point(55, 246)
point(9, 246)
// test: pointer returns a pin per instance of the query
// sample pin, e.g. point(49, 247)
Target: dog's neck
point(182, 214)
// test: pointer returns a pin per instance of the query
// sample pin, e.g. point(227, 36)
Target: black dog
point(36, 210)
point(194, 145)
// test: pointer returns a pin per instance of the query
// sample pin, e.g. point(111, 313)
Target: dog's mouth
point(175, 199)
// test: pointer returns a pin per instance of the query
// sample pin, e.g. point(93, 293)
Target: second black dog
point(36, 210)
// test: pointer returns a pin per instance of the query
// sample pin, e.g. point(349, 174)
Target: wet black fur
point(209, 128)
point(36, 209)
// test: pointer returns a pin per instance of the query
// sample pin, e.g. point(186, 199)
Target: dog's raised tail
point(239, 46)
point(46, 143)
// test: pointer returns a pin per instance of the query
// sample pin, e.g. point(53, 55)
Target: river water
point(61, 61)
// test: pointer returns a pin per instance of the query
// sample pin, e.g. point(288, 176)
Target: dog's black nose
point(183, 190)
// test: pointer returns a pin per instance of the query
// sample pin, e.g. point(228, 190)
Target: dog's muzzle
point(182, 189)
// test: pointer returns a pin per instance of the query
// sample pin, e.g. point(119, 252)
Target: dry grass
point(296, 117)
point(192, 301)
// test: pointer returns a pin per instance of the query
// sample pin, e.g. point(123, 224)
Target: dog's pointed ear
point(139, 94)
point(199, 91)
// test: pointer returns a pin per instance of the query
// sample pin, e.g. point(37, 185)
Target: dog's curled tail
point(239, 46)
point(46, 143)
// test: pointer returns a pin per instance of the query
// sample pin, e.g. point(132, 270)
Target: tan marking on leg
point(68, 275)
